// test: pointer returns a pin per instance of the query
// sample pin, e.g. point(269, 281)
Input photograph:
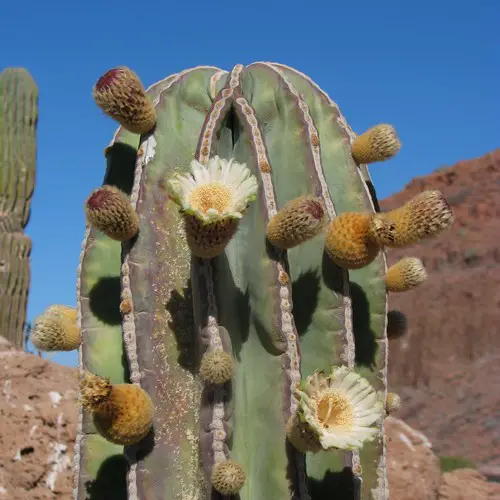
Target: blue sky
point(429, 68)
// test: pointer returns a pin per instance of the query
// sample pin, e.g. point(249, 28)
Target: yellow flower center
point(334, 410)
point(213, 195)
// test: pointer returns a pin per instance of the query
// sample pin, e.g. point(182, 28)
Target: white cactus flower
point(341, 409)
point(219, 191)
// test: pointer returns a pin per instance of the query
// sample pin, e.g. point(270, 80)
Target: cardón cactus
point(18, 123)
point(251, 305)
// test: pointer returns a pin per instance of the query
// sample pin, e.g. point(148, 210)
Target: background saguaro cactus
point(18, 122)
point(233, 323)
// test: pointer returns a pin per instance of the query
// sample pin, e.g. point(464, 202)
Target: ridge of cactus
point(237, 303)
point(163, 303)
point(365, 314)
point(100, 466)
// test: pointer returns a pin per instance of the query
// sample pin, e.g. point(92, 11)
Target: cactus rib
point(349, 185)
point(282, 290)
point(101, 351)
point(214, 414)
point(158, 328)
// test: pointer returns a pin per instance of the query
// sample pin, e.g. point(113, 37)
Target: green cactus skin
point(369, 298)
point(296, 142)
point(100, 466)
point(18, 123)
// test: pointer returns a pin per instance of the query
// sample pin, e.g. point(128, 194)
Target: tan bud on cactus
point(392, 403)
point(424, 216)
point(299, 220)
point(301, 436)
point(56, 330)
point(379, 143)
point(228, 477)
point(348, 241)
point(217, 367)
point(397, 324)
point(123, 413)
point(121, 95)
point(406, 274)
point(109, 210)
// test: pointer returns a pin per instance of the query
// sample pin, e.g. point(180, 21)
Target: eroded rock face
point(465, 484)
point(447, 367)
point(414, 471)
point(412, 468)
point(38, 416)
point(454, 316)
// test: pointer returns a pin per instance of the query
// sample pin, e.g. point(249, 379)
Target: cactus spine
point(259, 346)
point(18, 122)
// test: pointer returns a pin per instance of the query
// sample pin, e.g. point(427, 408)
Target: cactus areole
point(263, 360)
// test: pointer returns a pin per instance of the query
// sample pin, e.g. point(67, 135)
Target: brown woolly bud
point(424, 216)
point(377, 144)
point(121, 95)
point(348, 243)
point(406, 274)
point(123, 413)
point(208, 240)
point(109, 210)
point(228, 477)
point(217, 367)
point(357, 470)
point(301, 435)
point(55, 330)
point(126, 306)
point(397, 324)
point(299, 220)
point(392, 403)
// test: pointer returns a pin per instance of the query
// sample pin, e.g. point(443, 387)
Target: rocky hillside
point(38, 415)
point(447, 367)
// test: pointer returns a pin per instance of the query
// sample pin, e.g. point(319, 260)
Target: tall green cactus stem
point(18, 122)
point(281, 315)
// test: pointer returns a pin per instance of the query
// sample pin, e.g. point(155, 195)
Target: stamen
point(211, 196)
point(334, 411)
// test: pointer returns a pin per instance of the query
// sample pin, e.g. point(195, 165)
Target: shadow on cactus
point(241, 302)
point(180, 309)
point(365, 338)
point(305, 290)
point(109, 481)
point(104, 300)
point(252, 304)
point(342, 482)
point(122, 158)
